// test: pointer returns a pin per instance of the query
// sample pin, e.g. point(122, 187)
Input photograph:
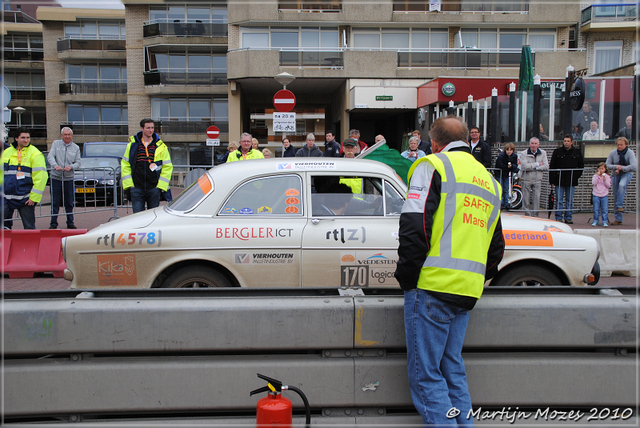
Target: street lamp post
point(19, 110)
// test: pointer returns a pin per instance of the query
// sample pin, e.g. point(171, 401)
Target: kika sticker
point(229, 210)
point(291, 192)
point(292, 210)
point(246, 211)
point(263, 210)
point(292, 201)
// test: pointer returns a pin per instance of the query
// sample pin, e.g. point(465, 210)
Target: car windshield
point(192, 195)
point(104, 149)
point(100, 162)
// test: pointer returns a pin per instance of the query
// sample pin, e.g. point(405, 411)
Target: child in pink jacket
point(601, 184)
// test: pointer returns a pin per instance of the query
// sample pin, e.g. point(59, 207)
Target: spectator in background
point(583, 118)
point(25, 177)
point(379, 138)
point(310, 149)
point(565, 171)
point(533, 163)
point(355, 134)
point(331, 146)
point(622, 163)
point(425, 146)
point(626, 131)
point(413, 152)
point(146, 168)
point(594, 133)
point(231, 147)
point(266, 153)
point(543, 135)
point(350, 146)
point(577, 136)
point(601, 185)
point(64, 160)
point(506, 163)
point(288, 151)
point(246, 150)
point(479, 149)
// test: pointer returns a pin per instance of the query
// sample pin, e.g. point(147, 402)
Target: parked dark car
point(98, 180)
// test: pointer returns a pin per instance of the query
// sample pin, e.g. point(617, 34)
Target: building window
point(187, 13)
point(101, 72)
point(327, 5)
point(190, 109)
point(516, 6)
point(96, 29)
point(391, 38)
point(289, 37)
point(94, 114)
point(607, 55)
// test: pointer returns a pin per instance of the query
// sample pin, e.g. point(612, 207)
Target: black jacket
point(502, 164)
point(562, 159)
point(289, 152)
point(482, 153)
point(331, 149)
point(425, 146)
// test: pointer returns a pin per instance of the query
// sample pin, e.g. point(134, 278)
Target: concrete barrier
point(618, 250)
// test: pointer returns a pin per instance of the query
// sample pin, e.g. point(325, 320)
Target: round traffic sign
point(213, 132)
point(284, 100)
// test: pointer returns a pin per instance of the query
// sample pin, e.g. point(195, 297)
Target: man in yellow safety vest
point(450, 243)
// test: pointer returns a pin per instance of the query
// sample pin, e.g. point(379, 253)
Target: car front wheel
point(196, 277)
point(527, 276)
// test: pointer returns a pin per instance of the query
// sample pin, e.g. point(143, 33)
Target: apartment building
point(357, 64)
point(23, 74)
point(85, 73)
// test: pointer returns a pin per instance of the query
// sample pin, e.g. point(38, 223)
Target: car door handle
point(316, 220)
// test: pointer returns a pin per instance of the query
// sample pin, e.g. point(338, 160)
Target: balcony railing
point(185, 77)
point(193, 126)
point(82, 87)
point(91, 44)
point(431, 58)
point(35, 131)
point(609, 13)
point(187, 29)
point(470, 59)
point(98, 128)
point(23, 54)
point(27, 93)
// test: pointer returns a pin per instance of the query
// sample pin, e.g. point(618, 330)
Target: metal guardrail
point(185, 354)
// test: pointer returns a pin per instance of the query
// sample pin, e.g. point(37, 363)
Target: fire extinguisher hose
point(304, 400)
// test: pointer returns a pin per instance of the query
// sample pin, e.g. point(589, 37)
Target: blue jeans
point(504, 182)
point(139, 197)
point(619, 184)
point(62, 193)
point(27, 214)
point(564, 193)
point(601, 206)
point(435, 332)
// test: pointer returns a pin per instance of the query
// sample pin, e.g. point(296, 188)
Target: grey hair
point(66, 128)
point(245, 134)
point(534, 140)
point(414, 139)
point(310, 136)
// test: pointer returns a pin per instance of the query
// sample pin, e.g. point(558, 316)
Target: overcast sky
point(100, 4)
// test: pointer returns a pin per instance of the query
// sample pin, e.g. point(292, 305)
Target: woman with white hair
point(413, 152)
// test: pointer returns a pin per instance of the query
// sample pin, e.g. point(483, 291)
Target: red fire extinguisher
point(274, 409)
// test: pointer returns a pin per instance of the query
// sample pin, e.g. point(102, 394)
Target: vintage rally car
point(291, 223)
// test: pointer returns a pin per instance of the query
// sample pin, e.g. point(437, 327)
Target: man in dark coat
point(479, 149)
point(564, 171)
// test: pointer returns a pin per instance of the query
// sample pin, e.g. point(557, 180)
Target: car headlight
point(106, 182)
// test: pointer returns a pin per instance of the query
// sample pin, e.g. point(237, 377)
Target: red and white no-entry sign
point(284, 100)
point(213, 132)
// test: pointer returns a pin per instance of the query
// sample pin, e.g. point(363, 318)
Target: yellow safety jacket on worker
point(355, 184)
point(25, 175)
point(463, 225)
point(161, 158)
point(251, 154)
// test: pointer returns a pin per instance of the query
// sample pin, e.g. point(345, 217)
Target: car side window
point(280, 195)
point(337, 195)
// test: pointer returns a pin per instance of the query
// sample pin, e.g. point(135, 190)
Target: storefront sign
point(448, 89)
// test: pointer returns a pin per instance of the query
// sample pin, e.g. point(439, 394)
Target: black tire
point(515, 202)
point(196, 277)
point(527, 276)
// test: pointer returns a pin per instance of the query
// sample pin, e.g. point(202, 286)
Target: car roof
point(279, 165)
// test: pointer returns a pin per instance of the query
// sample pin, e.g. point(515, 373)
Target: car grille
point(86, 183)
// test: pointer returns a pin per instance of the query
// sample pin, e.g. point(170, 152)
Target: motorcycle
point(515, 192)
